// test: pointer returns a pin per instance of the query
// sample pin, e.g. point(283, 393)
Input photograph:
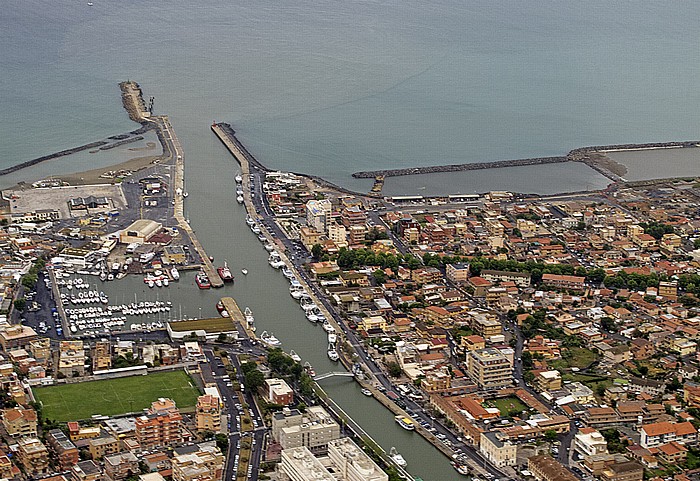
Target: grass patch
point(217, 324)
point(508, 404)
point(579, 357)
point(70, 402)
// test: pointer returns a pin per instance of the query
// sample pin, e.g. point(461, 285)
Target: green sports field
point(71, 402)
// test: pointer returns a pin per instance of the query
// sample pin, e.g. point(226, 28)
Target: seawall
point(582, 154)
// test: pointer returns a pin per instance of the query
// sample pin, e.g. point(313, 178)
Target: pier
point(236, 315)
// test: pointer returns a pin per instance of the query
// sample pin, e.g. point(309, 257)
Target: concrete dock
point(237, 315)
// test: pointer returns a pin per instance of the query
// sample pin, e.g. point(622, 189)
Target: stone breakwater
point(583, 154)
point(99, 145)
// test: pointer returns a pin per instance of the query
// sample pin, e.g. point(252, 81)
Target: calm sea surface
point(334, 87)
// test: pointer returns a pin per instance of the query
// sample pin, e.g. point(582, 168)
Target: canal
point(219, 223)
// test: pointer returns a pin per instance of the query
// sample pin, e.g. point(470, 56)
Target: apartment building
point(520, 279)
point(33, 456)
point(656, 434)
point(589, 442)
point(71, 358)
point(121, 466)
point(352, 463)
point(208, 414)
point(86, 471)
point(101, 447)
point(63, 449)
point(160, 426)
point(204, 464)
point(489, 368)
point(19, 422)
point(575, 283)
point(318, 214)
point(313, 429)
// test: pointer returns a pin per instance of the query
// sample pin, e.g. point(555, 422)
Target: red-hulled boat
point(202, 280)
point(225, 273)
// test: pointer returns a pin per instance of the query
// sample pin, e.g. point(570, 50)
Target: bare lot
point(30, 200)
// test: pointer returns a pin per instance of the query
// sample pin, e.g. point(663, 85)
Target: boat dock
point(236, 315)
point(179, 183)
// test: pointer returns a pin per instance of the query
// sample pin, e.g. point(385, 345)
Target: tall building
point(65, 451)
point(352, 463)
point(490, 368)
point(346, 462)
point(102, 356)
point(160, 426)
point(19, 422)
point(204, 464)
point(208, 414)
point(33, 456)
point(318, 214)
point(353, 215)
point(313, 429)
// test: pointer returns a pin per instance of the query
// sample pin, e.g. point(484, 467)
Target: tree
point(254, 380)
point(550, 435)
point(222, 338)
point(380, 276)
point(317, 251)
point(394, 369)
point(20, 304)
point(221, 441)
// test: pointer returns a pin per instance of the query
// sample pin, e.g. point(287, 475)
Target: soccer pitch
point(72, 402)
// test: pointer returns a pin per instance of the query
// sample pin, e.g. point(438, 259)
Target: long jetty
point(577, 155)
point(134, 105)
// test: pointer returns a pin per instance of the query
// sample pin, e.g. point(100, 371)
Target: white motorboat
point(270, 340)
point(332, 338)
point(333, 354)
point(239, 199)
point(244, 272)
point(328, 328)
point(238, 179)
point(295, 357)
point(397, 458)
point(175, 274)
point(249, 220)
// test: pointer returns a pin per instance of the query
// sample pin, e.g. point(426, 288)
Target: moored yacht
point(270, 340)
point(332, 353)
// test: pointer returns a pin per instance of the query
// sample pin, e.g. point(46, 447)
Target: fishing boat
point(309, 369)
point(366, 392)
point(224, 313)
point(270, 340)
point(225, 273)
point(175, 274)
point(249, 315)
point(397, 458)
point(332, 353)
point(295, 357)
point(244, 272)
point(202, 280)
point(406, 423)
point(220, 306)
